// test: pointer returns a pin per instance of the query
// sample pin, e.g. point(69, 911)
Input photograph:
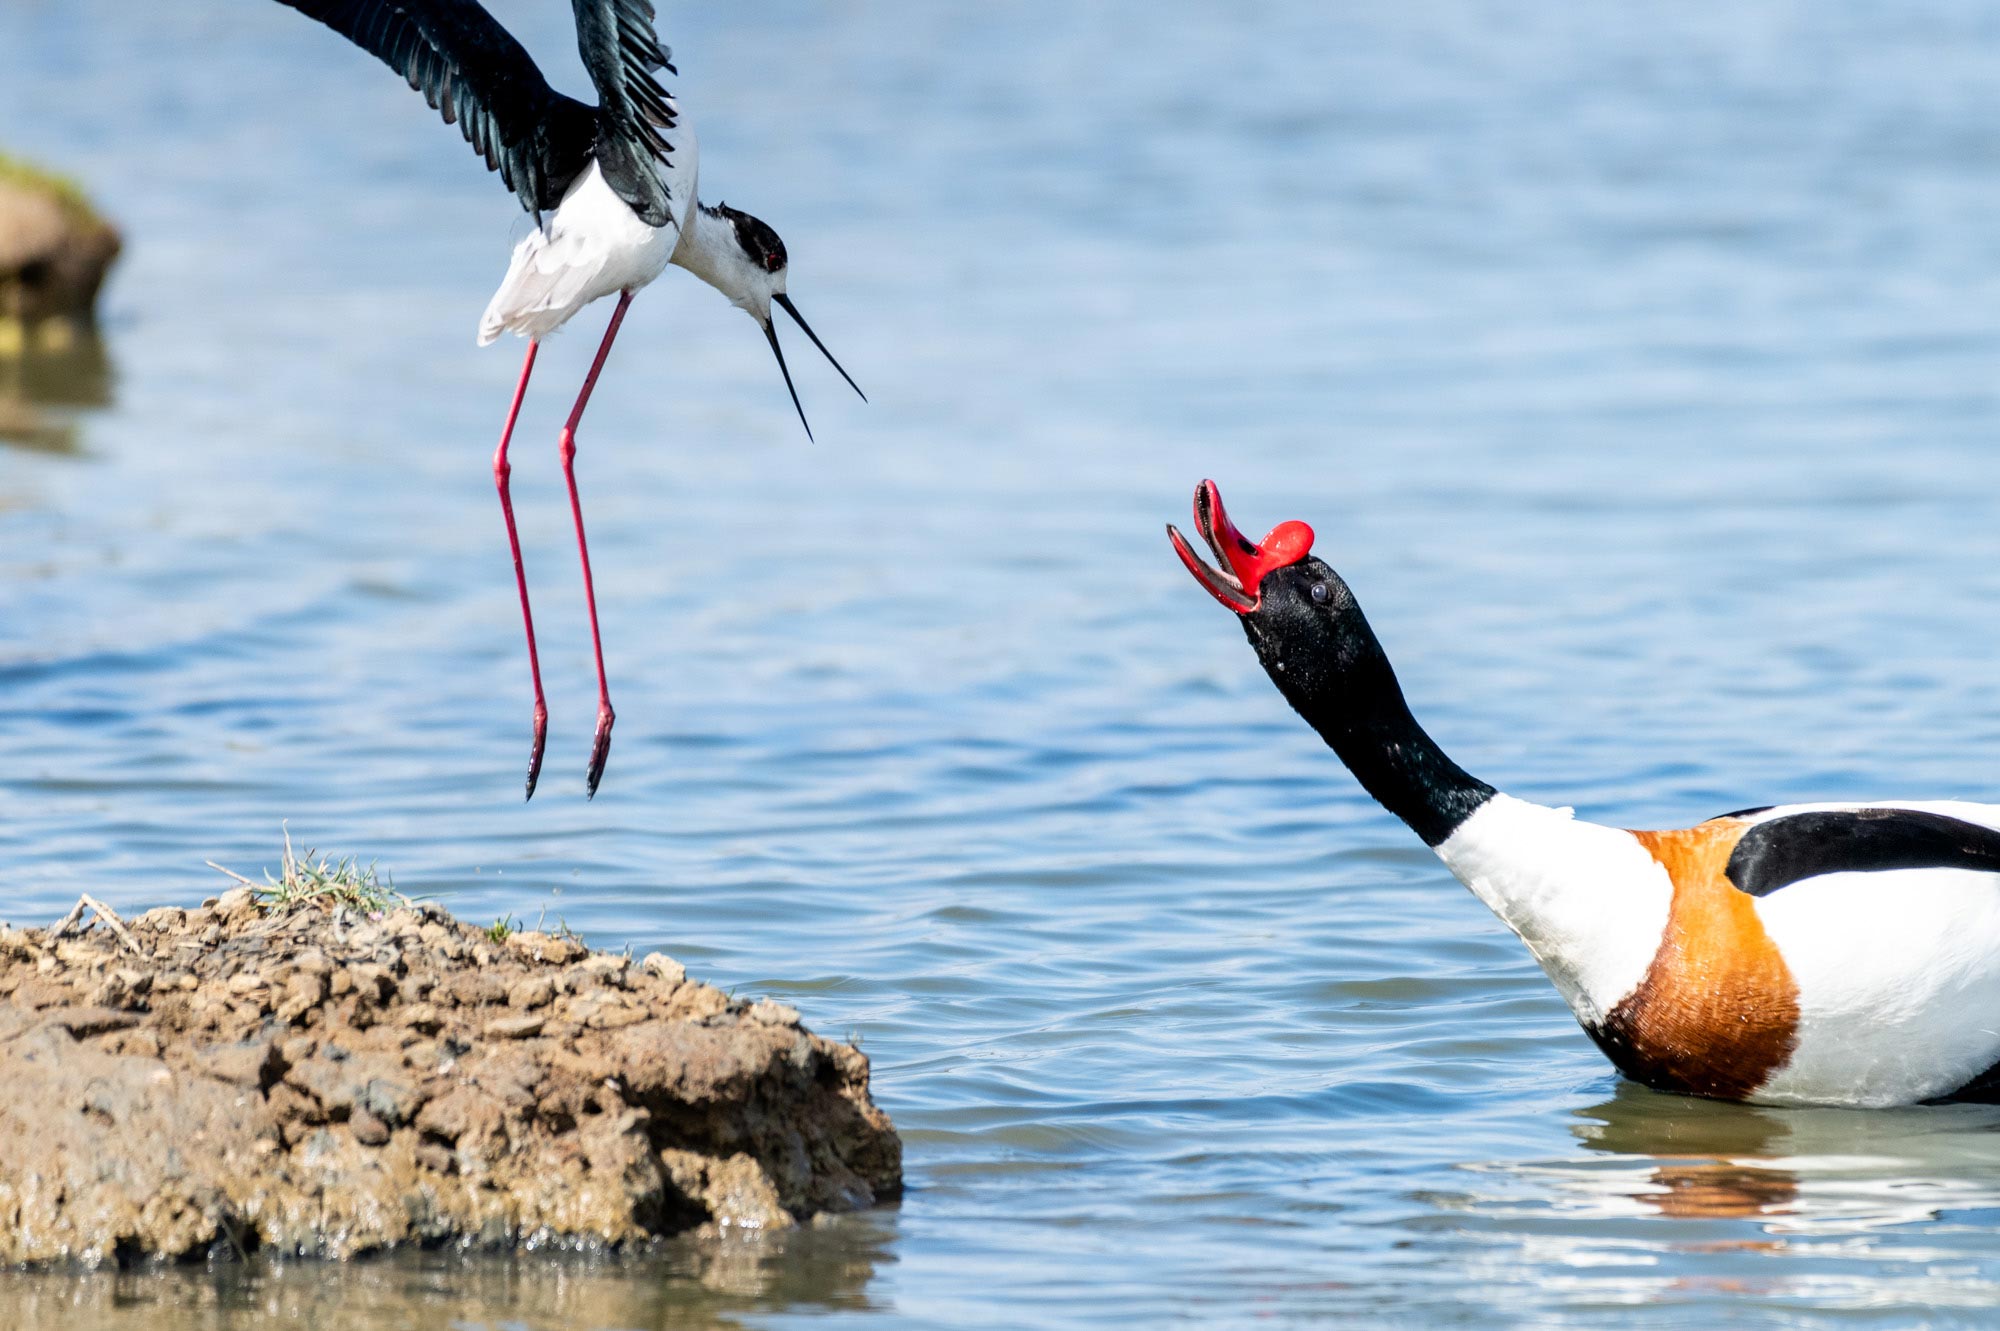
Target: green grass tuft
point(313, 880)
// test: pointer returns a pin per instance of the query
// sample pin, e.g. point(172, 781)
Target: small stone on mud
point(368, 1129)
point(770, 1012)
point(531, 993)
point(139, 1043)
point(551, 949)
point(615, 1016)
point(664, 967)
point(514, 1028)
point(420, 1017)
point(121, 988)
point(608, 971)
point(238, 1064)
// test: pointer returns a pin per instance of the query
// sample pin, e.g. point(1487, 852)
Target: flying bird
point(612, 190)
point(1806, 954)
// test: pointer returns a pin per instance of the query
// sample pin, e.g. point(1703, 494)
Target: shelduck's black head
point(1297, 612)
point(1317, 647)
point(1277, 585)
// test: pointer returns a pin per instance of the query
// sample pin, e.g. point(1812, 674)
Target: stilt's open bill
point(771, 333)
point(1240, 566)
point(786, 303)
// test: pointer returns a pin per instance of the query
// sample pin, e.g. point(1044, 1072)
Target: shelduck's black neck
point(1332, 669)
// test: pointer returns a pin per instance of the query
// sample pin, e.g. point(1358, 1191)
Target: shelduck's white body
point(1808, 954)
point(1894, 973)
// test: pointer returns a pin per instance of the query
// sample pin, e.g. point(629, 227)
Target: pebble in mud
point(325, 1084)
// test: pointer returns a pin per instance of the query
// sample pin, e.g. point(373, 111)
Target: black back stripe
point(1787, 850)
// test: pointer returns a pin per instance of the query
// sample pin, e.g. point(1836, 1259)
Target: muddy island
point(55, 251)
point(284, 1073)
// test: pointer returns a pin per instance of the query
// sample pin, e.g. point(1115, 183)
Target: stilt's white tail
point(594, 246)
point(549, 279)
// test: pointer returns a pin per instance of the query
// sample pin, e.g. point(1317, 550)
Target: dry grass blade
point(104, 913)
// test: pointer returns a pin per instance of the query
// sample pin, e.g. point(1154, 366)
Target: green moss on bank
point(67, 194)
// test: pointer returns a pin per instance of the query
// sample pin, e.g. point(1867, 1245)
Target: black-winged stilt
point(612, 189)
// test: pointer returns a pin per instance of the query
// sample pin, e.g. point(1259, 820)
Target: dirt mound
point(54, 254)
point(235, 1078)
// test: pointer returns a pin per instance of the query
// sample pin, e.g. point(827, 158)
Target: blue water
point(1636, 364)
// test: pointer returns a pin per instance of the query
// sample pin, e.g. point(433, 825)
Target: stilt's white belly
point(594, 245)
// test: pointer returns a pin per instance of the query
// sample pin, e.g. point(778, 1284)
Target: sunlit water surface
point(1636, 364)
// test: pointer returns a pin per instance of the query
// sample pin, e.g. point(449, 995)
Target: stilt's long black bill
point(771, 332)
point(793, 310)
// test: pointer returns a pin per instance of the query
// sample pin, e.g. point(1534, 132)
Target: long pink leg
point(600, 746)
point(502, 472)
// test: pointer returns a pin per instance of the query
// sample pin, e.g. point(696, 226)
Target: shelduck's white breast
point(1588, 900)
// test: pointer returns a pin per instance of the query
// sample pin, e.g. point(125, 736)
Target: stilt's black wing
point(623, 54)
point(470, 68)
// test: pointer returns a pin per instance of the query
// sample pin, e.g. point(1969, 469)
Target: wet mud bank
point(245, 1078)
point(55, 251)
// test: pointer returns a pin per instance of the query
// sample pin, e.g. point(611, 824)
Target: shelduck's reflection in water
point(1797, 1171)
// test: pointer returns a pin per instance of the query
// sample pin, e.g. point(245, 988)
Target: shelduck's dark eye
point(1320, 593)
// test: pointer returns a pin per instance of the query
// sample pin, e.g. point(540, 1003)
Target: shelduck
point(1841, 954)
